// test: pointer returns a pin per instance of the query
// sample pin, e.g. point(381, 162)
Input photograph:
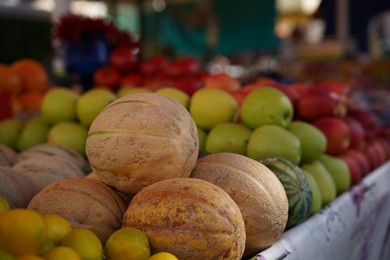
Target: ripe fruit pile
point(268, 162)
point(27, 234)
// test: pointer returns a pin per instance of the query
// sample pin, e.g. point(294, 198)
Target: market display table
point(354, 226)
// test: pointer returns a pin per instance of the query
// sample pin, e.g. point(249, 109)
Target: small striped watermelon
point(297, 188)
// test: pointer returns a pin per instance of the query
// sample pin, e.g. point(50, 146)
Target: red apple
point(188, 84)
point(131, 80)
point(335, 86)
point(361, 160)
point(190, 65)
point(381, 151)
point(299, 88)
point(368, 121)
point(357, 133)
point(316, 104)
point(152, 66)
point(123, 59)
point(337, 134)
point(354, 169)
point(222, 81)
point(371, 154)
point(106, 77)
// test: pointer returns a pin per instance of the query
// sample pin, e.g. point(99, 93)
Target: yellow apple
point(70, 134)
point(10, 130)
point(176, 94)
point(210, 107)
point(59, 104)
point(34, 132)
point(91, 103)
point(266, 106)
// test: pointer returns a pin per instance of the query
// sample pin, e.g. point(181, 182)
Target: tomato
point(106, 77)
point(123, 59)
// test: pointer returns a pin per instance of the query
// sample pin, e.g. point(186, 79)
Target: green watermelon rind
point(297, 188)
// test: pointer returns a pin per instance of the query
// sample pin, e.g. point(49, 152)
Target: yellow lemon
point(163, 256)
point(85, 243)
point(61, 253)
point(57, 227)
point(127, 243)
point(6, 256)
point(22, 232)
point(30, 257)
point(4, 206)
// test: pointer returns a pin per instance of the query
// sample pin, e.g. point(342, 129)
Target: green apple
point(323, 178)
point(34, 132)
point(176, 94)
point(315, 190)
point(10, 130)
point(339, 171)
point(59, 104)
point(274, 140)
point(70, 134)
point(123, 91)
point(210, 107)
point(202, 135)
point(266, 106)
point(228, 137)
point(91, 103)
point(313, 141)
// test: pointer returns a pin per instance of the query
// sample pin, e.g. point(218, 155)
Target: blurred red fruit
point(337, 134)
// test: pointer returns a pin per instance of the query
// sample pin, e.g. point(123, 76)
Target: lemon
point(30, 257)
point(4, 206)
point(57, 227)
point(163, 256)
point(61, 253)
point(127, 243)
point(22, 232)
point(85, 243)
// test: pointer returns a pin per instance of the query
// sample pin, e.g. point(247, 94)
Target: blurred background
point(266, 36)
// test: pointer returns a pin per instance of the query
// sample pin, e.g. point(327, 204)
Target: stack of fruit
point(269, 162)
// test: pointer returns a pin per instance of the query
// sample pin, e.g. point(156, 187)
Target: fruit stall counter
point(354, 226)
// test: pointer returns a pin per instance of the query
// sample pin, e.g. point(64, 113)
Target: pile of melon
point(145, 172)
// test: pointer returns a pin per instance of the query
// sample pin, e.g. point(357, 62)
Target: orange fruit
point(61, 253)
point(32, 73)
point(85, 243)
point(127, 243)
point(57, 227)
point(22, 232)
point(31, 100)
point(9, 80)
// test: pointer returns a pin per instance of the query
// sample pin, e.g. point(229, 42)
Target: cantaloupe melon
point(256, 190)
point(190, 218)
point(140, 139)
